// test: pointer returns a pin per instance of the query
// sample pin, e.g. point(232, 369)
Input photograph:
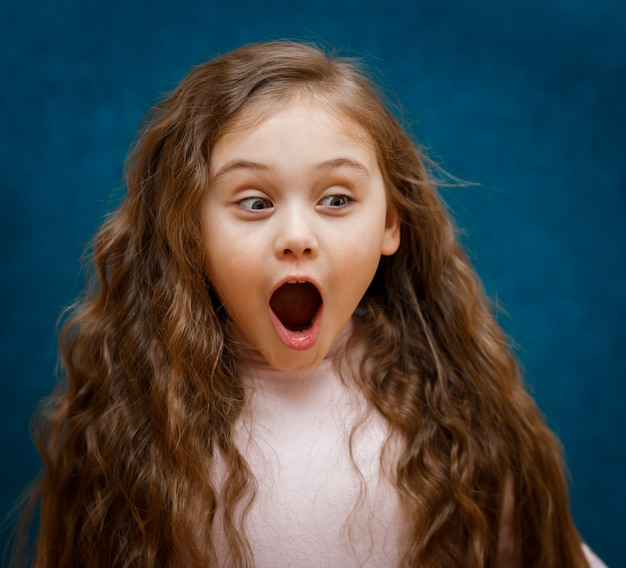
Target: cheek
point(365, 245)
point(219, 246)
point(358, 261)
point(216, 263)
point(233, 274)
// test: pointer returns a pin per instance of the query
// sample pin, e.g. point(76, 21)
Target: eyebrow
point(339, 163)
point(239, 165)
point(332, 164)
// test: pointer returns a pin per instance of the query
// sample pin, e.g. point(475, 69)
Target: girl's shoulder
point(594, 561)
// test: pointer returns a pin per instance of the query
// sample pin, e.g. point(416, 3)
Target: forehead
point(308, 122)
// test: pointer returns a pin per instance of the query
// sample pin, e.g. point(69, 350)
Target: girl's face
point(294, 224)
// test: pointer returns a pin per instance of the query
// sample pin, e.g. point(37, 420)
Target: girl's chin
point(303, 350)
point(295, 361)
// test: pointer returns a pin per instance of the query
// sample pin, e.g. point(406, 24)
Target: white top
point(294, 435)
point(592, 559)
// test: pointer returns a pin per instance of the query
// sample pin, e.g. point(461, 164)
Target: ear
point(391, 238)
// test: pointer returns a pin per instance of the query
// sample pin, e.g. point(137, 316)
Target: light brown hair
point(151, 390)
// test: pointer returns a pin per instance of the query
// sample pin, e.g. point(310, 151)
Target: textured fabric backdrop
point(526, 98)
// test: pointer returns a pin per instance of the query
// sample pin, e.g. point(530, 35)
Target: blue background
point(526, 98)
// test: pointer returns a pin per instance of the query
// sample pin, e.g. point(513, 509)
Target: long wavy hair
point(151, 392)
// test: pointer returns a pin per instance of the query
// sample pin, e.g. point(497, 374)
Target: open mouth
point(296, 304)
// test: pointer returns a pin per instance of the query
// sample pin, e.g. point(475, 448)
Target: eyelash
point(251, 203)
point(345, 200)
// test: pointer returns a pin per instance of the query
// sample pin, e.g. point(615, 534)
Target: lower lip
point(299, 340)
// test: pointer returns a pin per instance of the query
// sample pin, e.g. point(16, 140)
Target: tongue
point(295, 305)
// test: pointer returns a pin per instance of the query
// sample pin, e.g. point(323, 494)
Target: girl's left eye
point(335, 201)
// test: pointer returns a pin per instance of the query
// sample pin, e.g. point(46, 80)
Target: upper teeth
point(296, 281)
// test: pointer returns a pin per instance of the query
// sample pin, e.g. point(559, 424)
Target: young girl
point(284, 357)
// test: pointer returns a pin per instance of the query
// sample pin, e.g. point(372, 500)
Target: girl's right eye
point(255, 203)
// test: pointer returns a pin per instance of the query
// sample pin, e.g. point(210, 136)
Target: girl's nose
point(296, 237)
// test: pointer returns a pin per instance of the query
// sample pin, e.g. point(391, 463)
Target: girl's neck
point(295, 397)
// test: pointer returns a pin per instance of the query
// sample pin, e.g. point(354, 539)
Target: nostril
point(296, 244)
point(289, 251)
